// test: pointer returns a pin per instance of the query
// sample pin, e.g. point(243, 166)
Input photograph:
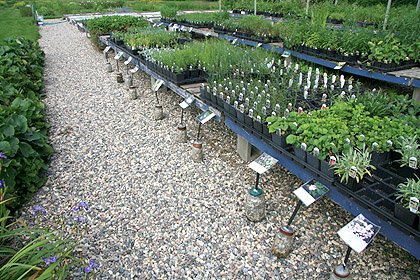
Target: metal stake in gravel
point(158, 113)
point(109, 67)
point(341, 271)
point(197, 151)
point(255, 201)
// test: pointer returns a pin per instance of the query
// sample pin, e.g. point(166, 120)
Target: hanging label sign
point(206, 116)
point(107, 49)
point(310, 192)
point(359, 233)
point(234, 41)
point(286, 53)
point(259, 45)
point(128, 60)
point(414, 204)
point(157, 85)
point(339, 65)
point(187, 102)
point(190, 29)
point(118, 56)
point(207, 34)
point(262, 163)
point(134, 70)
point(182, 28)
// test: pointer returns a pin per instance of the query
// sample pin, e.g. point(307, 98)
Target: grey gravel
point(154, 212)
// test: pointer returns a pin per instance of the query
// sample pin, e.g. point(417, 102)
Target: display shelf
point(390, 230)
point(403, 240)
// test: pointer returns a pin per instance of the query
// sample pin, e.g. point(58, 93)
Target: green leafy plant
point(354, 157)
point(409, 189)
point(409, 147)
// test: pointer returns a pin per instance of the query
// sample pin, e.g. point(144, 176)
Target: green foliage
point(168, 12)
point(12, 23)
point(409, 147)
point(23, 128)
point(354, 157)
point(36, 253)
point(408, 189)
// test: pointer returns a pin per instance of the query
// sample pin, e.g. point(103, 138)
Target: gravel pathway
point(154, 213)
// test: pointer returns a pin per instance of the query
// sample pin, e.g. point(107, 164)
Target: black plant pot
point(378, 158)
point(207, 94)
point(312, 160)
point(213, 98)
point(407, 172)
point(240, 116)
point(220, 101)
point(178, 78)
point(257, 125)
point(226, 107)
point(265, 130)
point(279, 140)
point(352, 184)
point(248, 120)
point(232, 111)
point(300, 153)
point(405, 215)
point(194, 73)
point(327, 169)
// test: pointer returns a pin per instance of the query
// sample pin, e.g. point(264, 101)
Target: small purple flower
point(3, 157)
point(2, 184)
point(227, 48)
point(228, 53)
point(91, 267)
point(49, 261)
point(241, 49)
point(253, 49)
point(38, 209)
point(78, 219)
point(81, 204)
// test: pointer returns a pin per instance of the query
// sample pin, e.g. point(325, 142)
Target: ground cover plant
point(12, 22)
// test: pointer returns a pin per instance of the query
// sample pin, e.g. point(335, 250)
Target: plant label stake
point(255, 203)
point(203, 118)
point(341, 271)
point(106, 52)
point(127, 62)
point(117, 57)
point(185, 104)
point(134, 70)
point(156, 87)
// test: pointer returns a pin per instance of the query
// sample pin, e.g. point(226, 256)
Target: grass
point(154, 6)
point(12, 23)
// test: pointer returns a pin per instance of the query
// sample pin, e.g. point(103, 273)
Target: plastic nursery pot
point(408, 172)
point(404, 215)
point(312, 160)
point(327, 169)
point(232, 111)
point(378, 158)
point(257, 125)
point(240, 116)
point(352, 184)
point(300, 153)
point(265, 130)
point(219, 101)
point(279, 140)
point(248, 120)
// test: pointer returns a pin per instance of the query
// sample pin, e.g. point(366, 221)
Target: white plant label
point(206, 116)
point(259, 45)
point(187, 102)
point(412, 163)
point(118, 56)
point(134, 70)
point(157, 85)
point(359, 233)
point(353, 172)
point(128, 60)
point(182, 28)
point(262, 163)
point(107, 49)
point(190, 29)
point(339, 65)
point(414, 204)
point(310, 192)
point(234, 41)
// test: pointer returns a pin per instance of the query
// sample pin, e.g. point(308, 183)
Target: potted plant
point(410, 153)
point(409, 190)
point(352, 165)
